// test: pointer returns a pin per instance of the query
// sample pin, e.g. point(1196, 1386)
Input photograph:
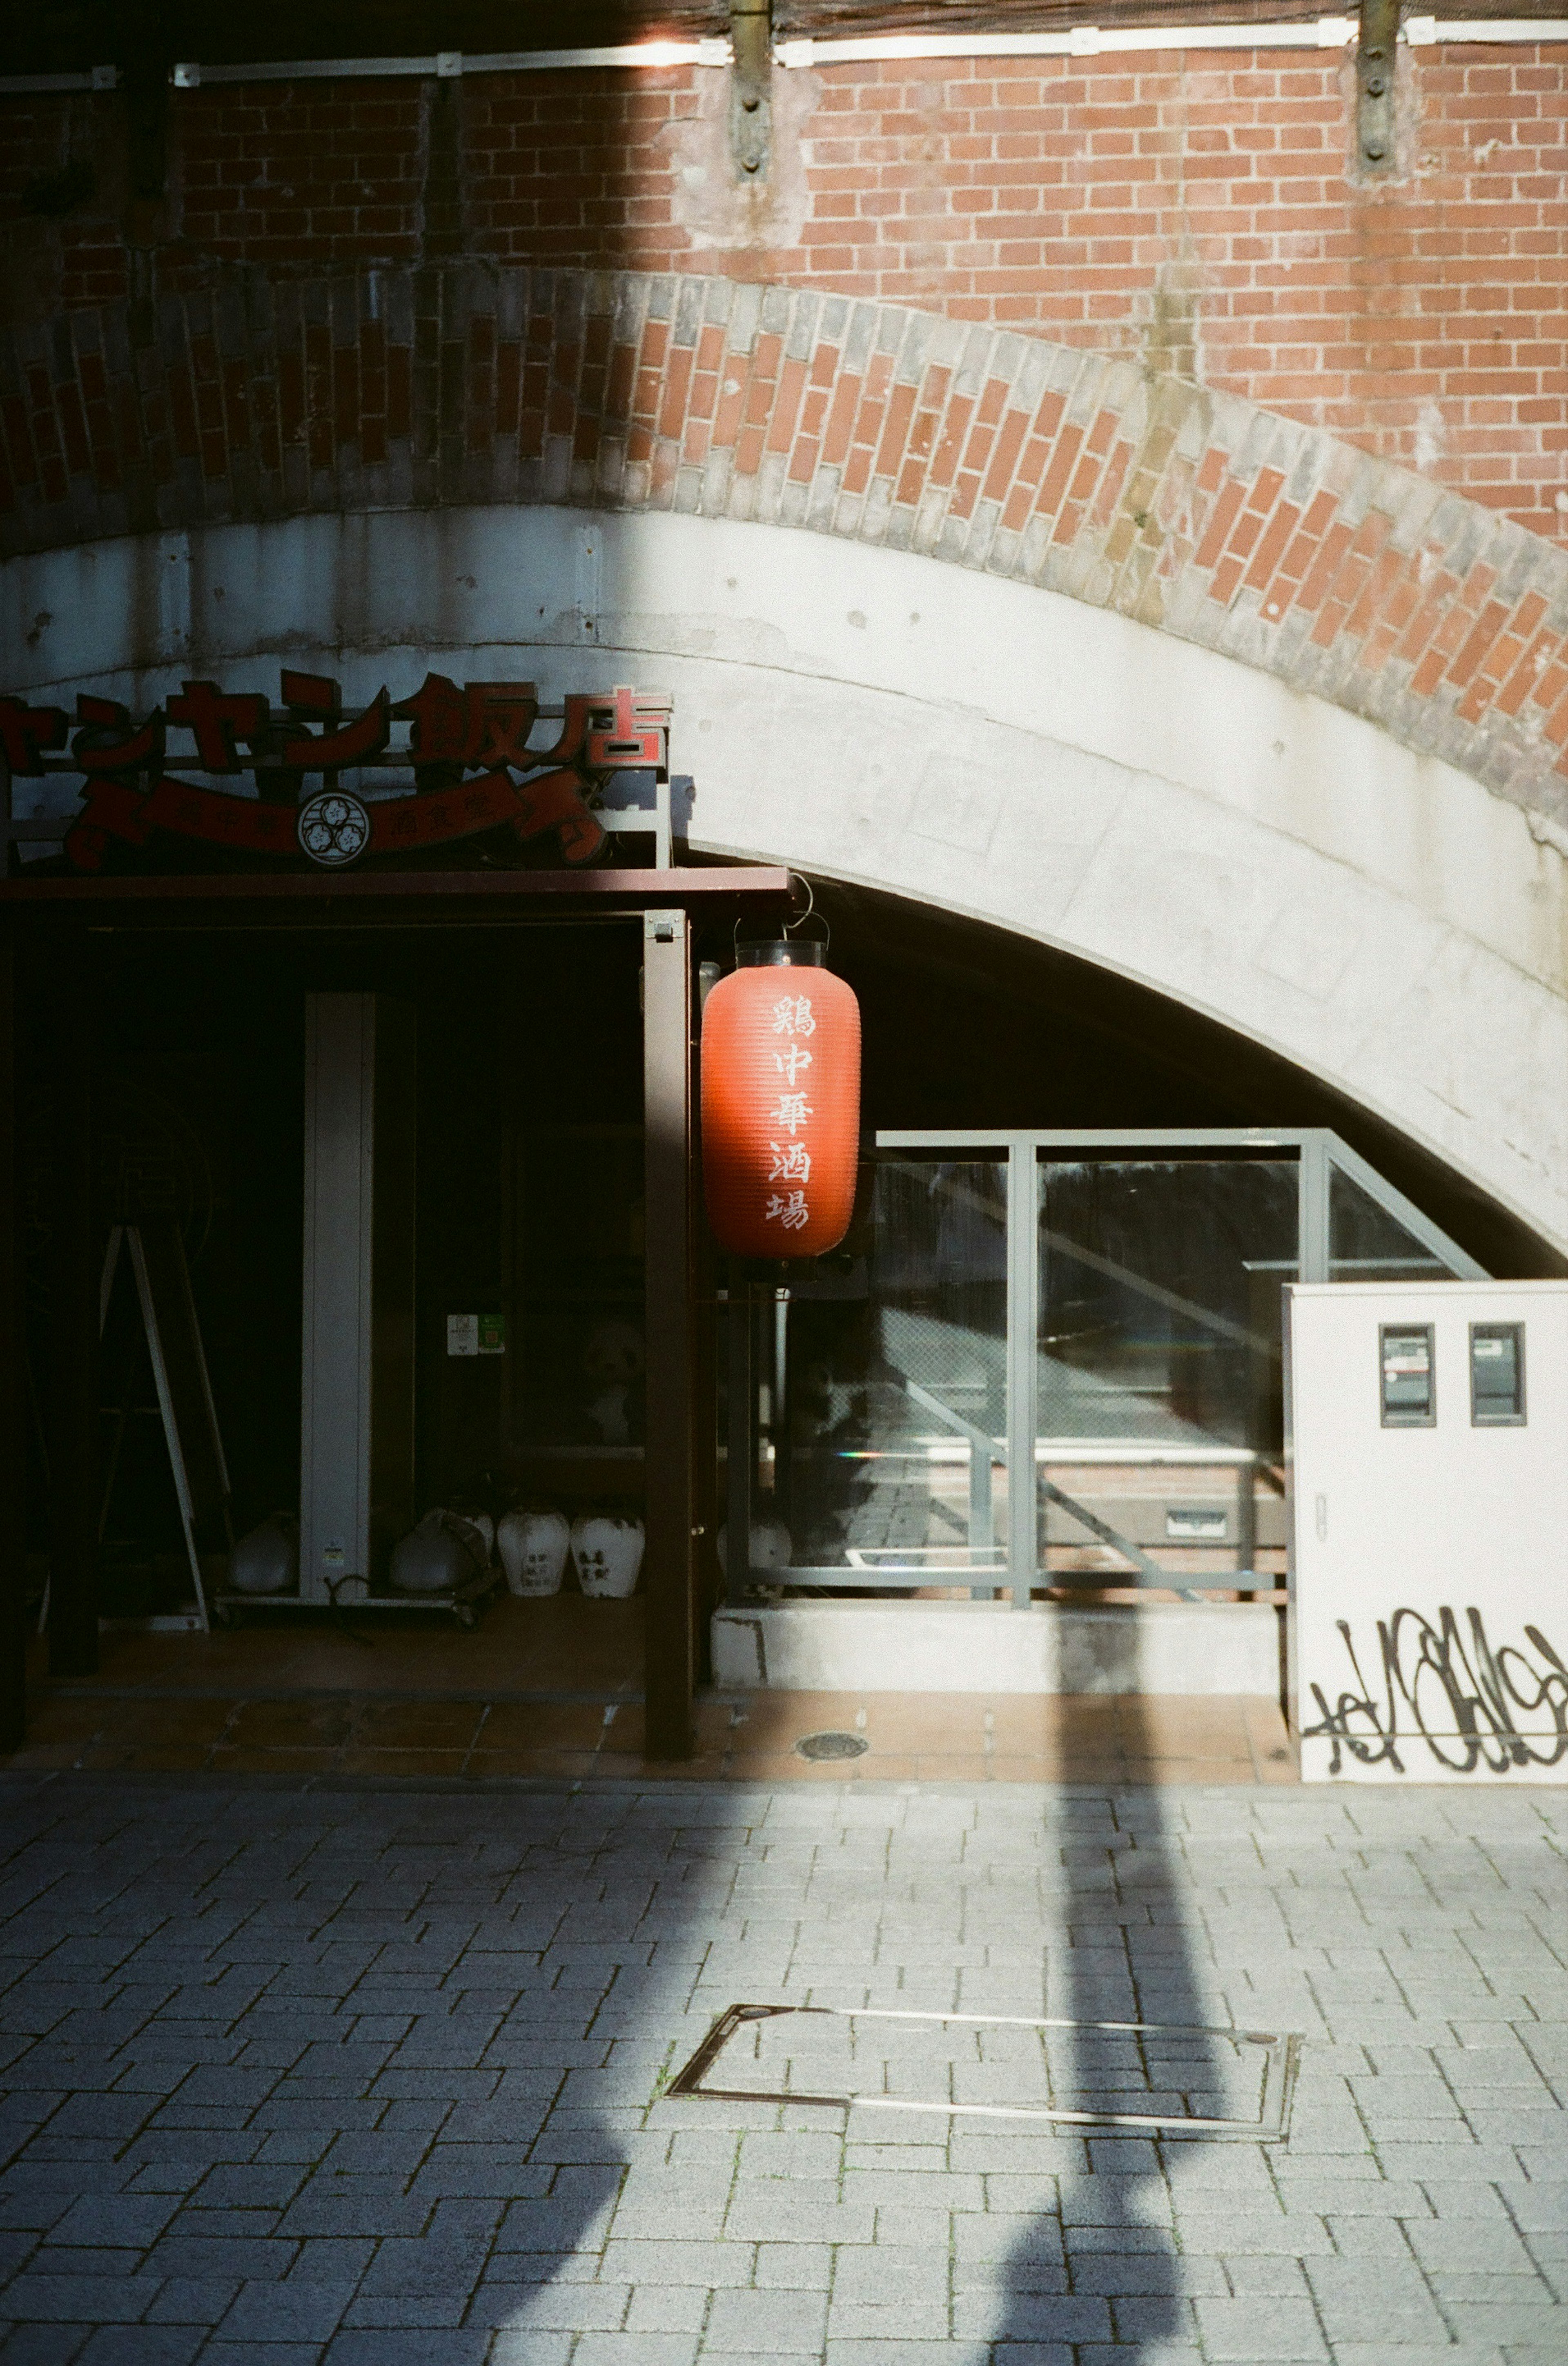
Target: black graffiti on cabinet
point(1453, 1692)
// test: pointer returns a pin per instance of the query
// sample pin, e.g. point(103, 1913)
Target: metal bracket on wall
point(1376, 62)
point(751, 107)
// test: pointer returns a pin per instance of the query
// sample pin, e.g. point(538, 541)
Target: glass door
point(879, 1377)
point(1159, 1419)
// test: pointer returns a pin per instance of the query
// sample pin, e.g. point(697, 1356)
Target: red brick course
point(1195, 212)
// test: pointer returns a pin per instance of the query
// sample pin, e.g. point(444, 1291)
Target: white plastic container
point(608, 1555)
point(439, 1556)
point(770, 1546)
point(534, 1546)
point(266, 1558)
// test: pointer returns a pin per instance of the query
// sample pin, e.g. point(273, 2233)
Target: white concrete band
point(1061, 771)
point(981, 1647)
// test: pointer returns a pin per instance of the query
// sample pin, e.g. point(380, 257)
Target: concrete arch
point(263, 396)
point(1162, 809)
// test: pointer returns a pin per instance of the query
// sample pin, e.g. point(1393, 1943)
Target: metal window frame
point(1317, 1151)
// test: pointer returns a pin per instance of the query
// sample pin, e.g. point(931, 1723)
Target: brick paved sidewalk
point(369, 2076)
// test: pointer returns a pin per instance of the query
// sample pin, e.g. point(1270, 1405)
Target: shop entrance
point(543, 1351)
point(446, 1140)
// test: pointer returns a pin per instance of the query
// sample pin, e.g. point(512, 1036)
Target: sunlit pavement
point(370, 2076)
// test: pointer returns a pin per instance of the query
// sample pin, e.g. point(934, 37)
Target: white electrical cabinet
point(1427, 1445)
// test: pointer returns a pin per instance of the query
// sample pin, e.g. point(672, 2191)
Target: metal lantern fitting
point(780, 1103)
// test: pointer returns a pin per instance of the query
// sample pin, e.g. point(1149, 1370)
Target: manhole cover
point(832, 1745)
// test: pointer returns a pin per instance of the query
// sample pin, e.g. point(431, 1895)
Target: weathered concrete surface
point(297, 2078)
point(949, 1647)
point(1162, 809)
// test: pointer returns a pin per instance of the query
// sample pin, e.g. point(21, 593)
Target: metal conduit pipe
point(1080, 42)
point(1094, 40)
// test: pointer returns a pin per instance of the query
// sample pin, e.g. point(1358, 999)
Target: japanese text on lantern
point(791, 1156)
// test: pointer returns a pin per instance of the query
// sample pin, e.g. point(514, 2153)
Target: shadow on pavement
point(245, 2101)
point(1124, 1955)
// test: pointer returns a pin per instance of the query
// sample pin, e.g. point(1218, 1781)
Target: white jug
point(532, 1547)
point(608, 1553)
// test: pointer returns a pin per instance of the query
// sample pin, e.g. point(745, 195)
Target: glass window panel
point(887, 1458)
point(1160, 1419)
point(1367, 1244)
point(1497, 1375)
point(1405, 1355)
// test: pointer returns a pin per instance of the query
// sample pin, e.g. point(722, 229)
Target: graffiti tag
point(1451, 1690)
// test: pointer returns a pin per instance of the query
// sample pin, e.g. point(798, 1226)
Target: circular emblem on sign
point(334, 828)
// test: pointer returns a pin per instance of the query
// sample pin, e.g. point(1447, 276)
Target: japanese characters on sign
point(469, 748)
point(791, 1155)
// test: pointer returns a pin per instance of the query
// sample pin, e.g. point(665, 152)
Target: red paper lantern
point(780, 1103)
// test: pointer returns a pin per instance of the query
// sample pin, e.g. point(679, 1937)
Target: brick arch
point(1193, 513)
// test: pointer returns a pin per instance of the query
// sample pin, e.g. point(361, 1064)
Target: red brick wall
point(1196, 212)
point(300, 175)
